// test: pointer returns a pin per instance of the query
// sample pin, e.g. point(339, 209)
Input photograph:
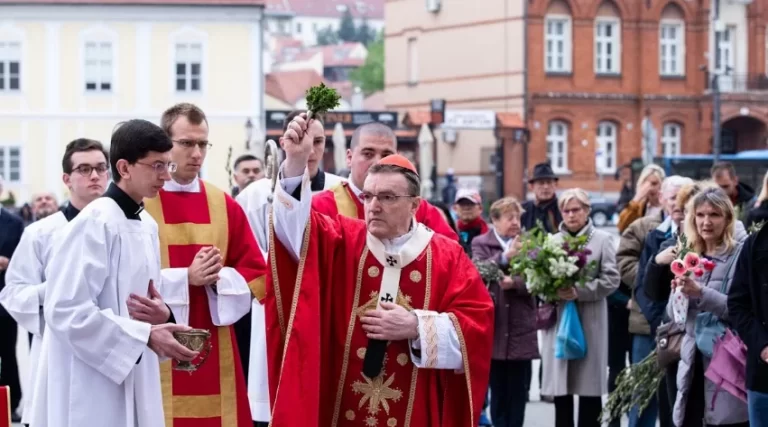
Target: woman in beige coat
point(587, 377)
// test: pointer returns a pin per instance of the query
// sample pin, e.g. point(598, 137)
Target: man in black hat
point(543, 208)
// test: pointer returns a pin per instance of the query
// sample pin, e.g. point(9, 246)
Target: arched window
point(608, 39)
point(671, 139)
point(607, 144)
point(557, 38)
point(672, 42)
point(557, 146)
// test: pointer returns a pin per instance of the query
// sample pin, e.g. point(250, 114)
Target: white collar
point(173, 186)
point(354, 188)
point(400, 251)
point(504, 244)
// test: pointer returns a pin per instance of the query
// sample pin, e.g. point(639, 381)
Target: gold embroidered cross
point(377, 393)
point(401, 300)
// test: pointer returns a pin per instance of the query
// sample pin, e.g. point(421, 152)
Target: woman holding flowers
point(702, 282)
point(515, 343)
point(586, 377)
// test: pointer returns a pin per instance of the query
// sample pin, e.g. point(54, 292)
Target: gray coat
point(588, 376)
point(727, 409)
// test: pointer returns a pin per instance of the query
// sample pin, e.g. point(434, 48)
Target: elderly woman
point(515, 343)
point(711, 232)
point(587, 377)
point(647, 200)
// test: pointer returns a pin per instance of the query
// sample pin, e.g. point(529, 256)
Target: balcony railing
point(755, 82)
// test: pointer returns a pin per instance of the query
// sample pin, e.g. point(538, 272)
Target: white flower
point(561, 268)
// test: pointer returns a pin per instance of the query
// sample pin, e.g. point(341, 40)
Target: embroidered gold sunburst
point(402, 300)
point(350, 415)
point(415, 276)
point(392, 422)
point(377, 393)
point(371, 422)
point(373, 271)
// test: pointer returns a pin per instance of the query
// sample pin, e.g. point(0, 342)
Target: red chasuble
point(316, 345)
point(215, 394)
point(340, 199)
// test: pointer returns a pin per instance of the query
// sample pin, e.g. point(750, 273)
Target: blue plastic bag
point(570, 343)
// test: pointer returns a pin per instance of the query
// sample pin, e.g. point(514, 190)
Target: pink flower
point(691, 261)
point(678, 268)
point(698, 272)
point(708, 265)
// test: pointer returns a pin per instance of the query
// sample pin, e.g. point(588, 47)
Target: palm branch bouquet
point(550, 263)
point(489, 271)
point(636, 385)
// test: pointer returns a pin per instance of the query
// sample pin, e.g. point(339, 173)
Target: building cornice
point(133, 12)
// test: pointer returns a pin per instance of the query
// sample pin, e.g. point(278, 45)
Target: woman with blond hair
point(760, 212)
point(647, 200)
point(587, 377)
point(710, 231)
point(515, 342)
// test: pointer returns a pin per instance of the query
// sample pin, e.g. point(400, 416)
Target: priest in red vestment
point(212, 268)
point(379, 322)
point(370, 143)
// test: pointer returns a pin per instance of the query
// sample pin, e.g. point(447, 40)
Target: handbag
point(669, 340)
point(728, 367)
point(708, 327)
point(546, 316)
point(570, 342)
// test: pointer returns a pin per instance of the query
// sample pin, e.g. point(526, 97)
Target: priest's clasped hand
point(151, 310)
point(205, 267)
point(391, 323)
point(162, 342)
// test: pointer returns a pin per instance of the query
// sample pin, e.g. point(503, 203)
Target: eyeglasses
point(160, 167)
point(87, 170)
point(384, 198)
point(187, 143)
point(573, 211)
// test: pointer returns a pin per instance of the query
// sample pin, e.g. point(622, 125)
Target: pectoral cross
point(387, 298)
point(391, 261)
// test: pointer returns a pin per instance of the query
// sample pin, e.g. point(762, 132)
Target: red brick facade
point(583, 99)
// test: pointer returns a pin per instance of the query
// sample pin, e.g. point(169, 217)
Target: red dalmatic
point(215, 395)
point(341, 200)
point(316, 345)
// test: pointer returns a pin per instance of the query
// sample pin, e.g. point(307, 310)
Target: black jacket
point(11, 228)
point(757, 215)
point(748, 306)
point(548, 213)
point(652, 285)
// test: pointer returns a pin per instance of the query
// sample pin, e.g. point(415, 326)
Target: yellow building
point(76, 68)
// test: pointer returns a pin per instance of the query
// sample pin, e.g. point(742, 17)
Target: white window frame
point(189, 36)
point(725, 51)
point(671, 139)
point(614, 40)
point(553, 153)
point(565, 38)
point(604, 143)
point(98, 66)
point(99, 34)
point(11, 51)
point(5, 167)
point(413, 60)
point(666, 45)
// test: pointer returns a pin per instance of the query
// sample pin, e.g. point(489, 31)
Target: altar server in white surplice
point(86, 170)
point(255, 203)
point(99, 367)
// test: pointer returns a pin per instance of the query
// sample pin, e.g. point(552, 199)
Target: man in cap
point(543, 208)
point(469, 208)
point(371, 322)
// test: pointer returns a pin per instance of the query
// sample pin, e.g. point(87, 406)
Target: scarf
point(477, 223)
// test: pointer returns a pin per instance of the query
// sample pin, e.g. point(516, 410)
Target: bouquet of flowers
point(489, 271)
point(550, 263)
point(687, 263)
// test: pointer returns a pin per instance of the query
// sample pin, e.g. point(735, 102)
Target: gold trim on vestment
point(275, 280)
point(465, 357)
point(415, 373)
point(215, 233)
point(344, 203)
point(258, 287)
point(296, 288)
point(348, 342)
point(227, 377)
point(208, 406)
point(430, 330)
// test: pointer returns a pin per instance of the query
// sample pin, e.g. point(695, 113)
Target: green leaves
point(321, 99)
point(636, 385)
point(489, 272)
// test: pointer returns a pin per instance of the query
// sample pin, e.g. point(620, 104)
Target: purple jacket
point(515, 336)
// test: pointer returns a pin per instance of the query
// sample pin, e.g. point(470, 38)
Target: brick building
point(596, 69)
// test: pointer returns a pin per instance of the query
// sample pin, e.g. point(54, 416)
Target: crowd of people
point(350, 300)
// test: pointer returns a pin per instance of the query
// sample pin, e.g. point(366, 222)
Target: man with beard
point(43, 205)
point(86, 170)
point(11, 228)
point(212, 268)
point(248, 169)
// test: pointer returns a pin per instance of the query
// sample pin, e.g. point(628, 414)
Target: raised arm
point(24, 290)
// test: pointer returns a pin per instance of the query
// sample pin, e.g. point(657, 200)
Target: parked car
point(603, 212)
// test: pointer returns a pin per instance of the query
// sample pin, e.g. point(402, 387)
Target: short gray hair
point(577, 194)
point(373, 128)
point(674, 181)
point(414, 184)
